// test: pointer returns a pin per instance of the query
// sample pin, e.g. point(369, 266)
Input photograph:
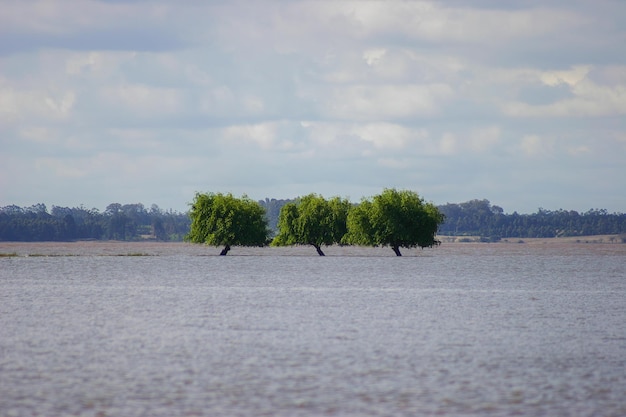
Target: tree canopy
point(312, 220)
point(396, 219)
point(225, 220)
point(128, 222)
point(491, 224)
point(134, 222)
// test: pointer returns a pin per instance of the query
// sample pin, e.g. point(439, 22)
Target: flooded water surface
point(114, 329)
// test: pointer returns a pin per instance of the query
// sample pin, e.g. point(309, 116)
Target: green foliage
point(134, 222)
point(360, 225)
point(396, 219)
point(480, 218)
point(129, 222)
point(224, 220)
point(312, 220)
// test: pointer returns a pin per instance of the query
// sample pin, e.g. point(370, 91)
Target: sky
point(522, 103)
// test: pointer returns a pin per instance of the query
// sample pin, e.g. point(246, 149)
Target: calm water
point(460, 330)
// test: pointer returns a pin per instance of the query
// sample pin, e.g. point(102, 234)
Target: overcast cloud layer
point(522, 103)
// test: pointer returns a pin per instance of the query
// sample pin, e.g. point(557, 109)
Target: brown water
point(158, 329)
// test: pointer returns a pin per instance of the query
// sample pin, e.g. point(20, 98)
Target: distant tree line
point(272, 210)
point(480, 218)
point(136, 222)
point(127, 222)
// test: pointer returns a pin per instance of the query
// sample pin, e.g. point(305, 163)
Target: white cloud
point(386, 102)
point(39, 134)
point(448, 144)
point(579, 150)
point(563, 149)
point(481, 140)
point(253, 104)
point(144, 100)
point(373, 57)
point(384, 135)
point(17, 105)
point(60, 169)
point(612, 74)
point(363, 139)
point(570, 77)
point(400, 65)
point(9, 109)
point(263, 134)
point(435, 22)
point(394, 163)
point(281, 97)
point(96, 65)
point(82, 62)
point(329, 140)
point(590, 100)
point(534, 145)
point(63, 17)
point(61, 106)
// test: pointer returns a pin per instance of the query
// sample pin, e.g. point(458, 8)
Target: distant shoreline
point(596, 239)
point(608, 239)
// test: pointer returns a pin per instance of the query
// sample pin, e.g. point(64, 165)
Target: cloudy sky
point(521, 103)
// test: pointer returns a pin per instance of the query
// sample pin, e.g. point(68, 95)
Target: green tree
point(224, 220)
point(396, 219)
point(312, 220)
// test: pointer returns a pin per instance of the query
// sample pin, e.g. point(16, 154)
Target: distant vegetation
point(480, 218)
point(118, 222)
point(490, 223)
point(131, 222)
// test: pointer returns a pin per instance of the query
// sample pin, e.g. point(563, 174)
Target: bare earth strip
point(543, 241)
point(449, 244)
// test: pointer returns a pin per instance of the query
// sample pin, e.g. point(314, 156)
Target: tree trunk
point(225, 250)
point(319, 250)
point(396, 250)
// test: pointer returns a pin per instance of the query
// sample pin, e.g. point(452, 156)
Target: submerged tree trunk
point(225, 250)
point(319, 250)
point(396, 250)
